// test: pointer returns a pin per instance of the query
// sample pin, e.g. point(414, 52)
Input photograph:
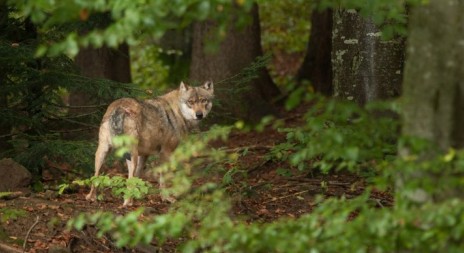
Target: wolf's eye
point(203, 100)
point(190, 102)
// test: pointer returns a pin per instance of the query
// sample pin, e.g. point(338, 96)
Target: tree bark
point(316, 66)
point(113, 64)
point(236, 51)
point(433, 99)
point(433, 95)
point(365, 68)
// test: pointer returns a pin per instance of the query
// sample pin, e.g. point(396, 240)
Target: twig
point(73, 121)
point(318, 181)
point(29, 232)
point(256, 147)
point(7, 135)
point(77, 106)
point(284, 197)
point(378, 201)
point(72, 130)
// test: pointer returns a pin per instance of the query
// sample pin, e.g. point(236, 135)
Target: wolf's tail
point(117, 122)
point(117, 126)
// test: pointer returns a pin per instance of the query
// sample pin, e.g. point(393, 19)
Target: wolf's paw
point(127, 202)
point(91, 197)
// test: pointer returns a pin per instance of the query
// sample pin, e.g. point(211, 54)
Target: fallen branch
point(29, 232)
point(284, 197)
point(318, 181)
point(255, 147)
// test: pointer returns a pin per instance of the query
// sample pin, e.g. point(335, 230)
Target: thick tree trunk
point(101, 63)
point(113, 64)
point(316, 66)
point(237, 50)
point(5, 126)
point(433, 98)
point(106, 63)
point(433, 94)
point(365, 68)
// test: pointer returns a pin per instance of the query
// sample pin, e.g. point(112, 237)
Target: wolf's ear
point(208, 85)
point(183, 87)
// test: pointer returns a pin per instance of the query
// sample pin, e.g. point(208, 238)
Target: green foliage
point(131, 20)
point(36, 117)
point(285, 25)
point(340, 135)
point(11, 214)
point(285, 29)
point(123, 144)
point(201, 219)
point(119, 186)
point(427, 175)
point(156, 75)
point(40, 149)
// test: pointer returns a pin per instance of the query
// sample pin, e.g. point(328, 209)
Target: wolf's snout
point(199, 115)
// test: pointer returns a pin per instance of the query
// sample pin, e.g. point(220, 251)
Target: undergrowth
point(201, 217)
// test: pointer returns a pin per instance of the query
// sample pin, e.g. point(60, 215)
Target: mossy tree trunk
point(433, 97)
point(237, 50)
point(316, 66)
point(365, 68)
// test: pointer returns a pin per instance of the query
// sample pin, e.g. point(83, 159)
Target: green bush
point(340, 135)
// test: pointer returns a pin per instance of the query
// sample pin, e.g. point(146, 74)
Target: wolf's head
point(196, 102)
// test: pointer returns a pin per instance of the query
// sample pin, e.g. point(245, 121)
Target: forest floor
point(41, 225)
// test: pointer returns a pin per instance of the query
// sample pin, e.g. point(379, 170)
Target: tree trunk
point(433, 99)
point(365, 68)
point(316, 66)
point(5, 126)
point(236, 51)
point(113, 64)
point(101, 63)
point(433, 95)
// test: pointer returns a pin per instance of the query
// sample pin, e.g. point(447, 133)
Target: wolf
point(158, 125)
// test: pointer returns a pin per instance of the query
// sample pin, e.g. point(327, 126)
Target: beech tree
point(433, 97)
point(365, 67)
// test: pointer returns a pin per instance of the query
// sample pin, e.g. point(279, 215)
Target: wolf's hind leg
point(140, 165)
point(100, 155)
point(165, 154)
point(131, 167)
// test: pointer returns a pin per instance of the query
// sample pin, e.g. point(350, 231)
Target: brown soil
point(263, 195)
